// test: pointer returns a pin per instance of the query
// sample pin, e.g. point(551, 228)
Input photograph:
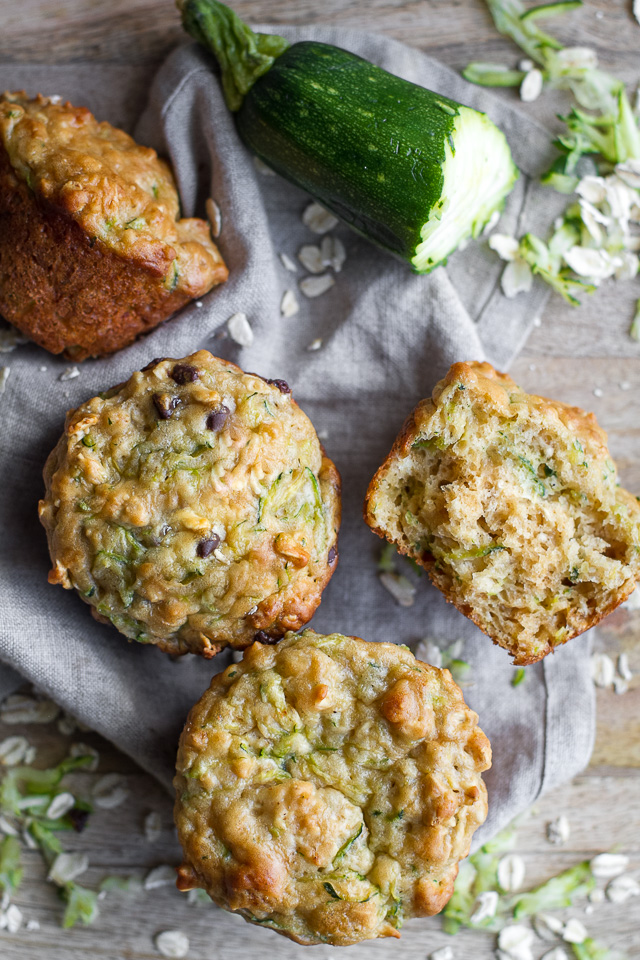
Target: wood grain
point(569, 355)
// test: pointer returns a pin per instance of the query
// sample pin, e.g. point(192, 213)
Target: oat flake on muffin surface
point(327, 787)
point(193, 507)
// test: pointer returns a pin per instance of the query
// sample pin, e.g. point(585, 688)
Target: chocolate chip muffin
point(193, 507)
point(511, 502)
point(327, 788)
point(92, 248)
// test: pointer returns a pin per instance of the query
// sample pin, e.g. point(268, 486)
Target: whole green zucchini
point(411, 170)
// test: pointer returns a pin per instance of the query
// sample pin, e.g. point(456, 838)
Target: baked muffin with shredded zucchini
point(511, 502)
point(327, 788)
point(93, 251)
point(193, 507)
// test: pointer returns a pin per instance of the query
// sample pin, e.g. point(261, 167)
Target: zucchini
point(411, 170)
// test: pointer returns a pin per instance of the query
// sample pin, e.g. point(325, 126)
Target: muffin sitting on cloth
point(511, 503)
point(327, 788)
point(193, 507)
point(92, 250)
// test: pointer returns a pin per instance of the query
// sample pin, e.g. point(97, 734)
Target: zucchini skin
point(365, 143)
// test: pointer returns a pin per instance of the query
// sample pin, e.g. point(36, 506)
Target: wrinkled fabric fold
point(387, 337)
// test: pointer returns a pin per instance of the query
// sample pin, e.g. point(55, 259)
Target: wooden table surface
point(581, 356)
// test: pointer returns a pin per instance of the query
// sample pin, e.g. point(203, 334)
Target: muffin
point(511, 503)
point(193, 507)
point(92, 248)
point(327, 788)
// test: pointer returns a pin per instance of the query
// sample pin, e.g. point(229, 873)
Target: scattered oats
point(537, 322)
point(589, 909)
point(28, 839)
point(629, 264)
point(67, 866)
point(288, 263)
point(526, 65)
point(30, 755)
point(602, 670)
point(43, 369)
point(198, 898)
point(624, 385)
point(4, 376)
point(636, 10)
point(60, 805)
point(10, 339)
point(7, 828)
point(532, 366)
point(558, 831)
point(316, 286)
point(597, 895)
point(311, 258)
point(240, 329)
point(547, 926)
point(289, 305)
point(607, 865)
point(622, 889)
point(556, 954)
point(13, 918)
point(531, 86)
point(586, 262)
point(444, 953)
point(599, 14)
point(66, 724)
point(198, 303)
point(598, 392)
point(505, 246)
point(516, 278)
point(629, 173)
point(511, 872)
point(516, 941)
point(32, 926)
point(110, 791)
point(429, 652)
point(485, 906)
point(574, 931)
point(214, 217)
point(402, 591)
point(317, 219)
point(69, 374)
point(172, 943)
point(491, 223)
point(333, 253)
point(623, 667)
point(84, 750)
point(20, 708)
point(162, 876)
point(620, 685)
point(13, 750)
point(153, 826)
point(315, 344)
point(263, 168)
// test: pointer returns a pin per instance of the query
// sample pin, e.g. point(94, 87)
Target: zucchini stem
point(242, 55)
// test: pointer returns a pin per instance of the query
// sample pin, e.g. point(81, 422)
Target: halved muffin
point(193, 507)
point(327, 787)
point(511, 503)
point(93, 251)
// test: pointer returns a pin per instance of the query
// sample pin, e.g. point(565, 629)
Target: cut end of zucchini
point(478, 174)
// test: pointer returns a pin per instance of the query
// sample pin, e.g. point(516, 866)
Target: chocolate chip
point(78, 818)
point(206, 547)
point(184, 373)
point(282, 385)
point(218, 417)
point(263, 637)
point(333, 556)
point(165, 404)
point(154, 363)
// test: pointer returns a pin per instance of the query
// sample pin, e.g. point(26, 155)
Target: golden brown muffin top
point(193, 506)
point(119, 192)
point(327, 788)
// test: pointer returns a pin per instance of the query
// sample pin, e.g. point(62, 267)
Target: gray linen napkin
point(387, 336)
